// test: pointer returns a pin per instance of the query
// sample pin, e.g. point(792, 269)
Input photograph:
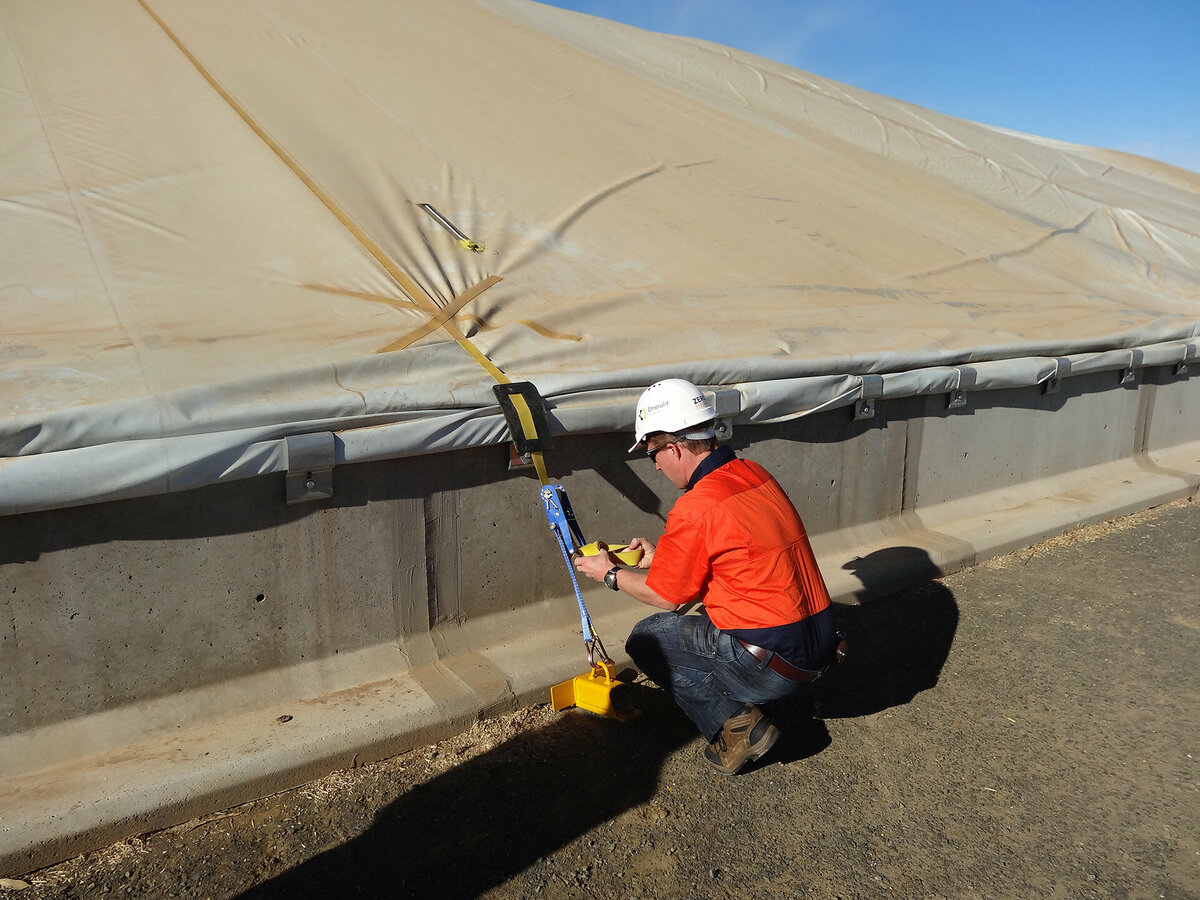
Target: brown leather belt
point(777, 663)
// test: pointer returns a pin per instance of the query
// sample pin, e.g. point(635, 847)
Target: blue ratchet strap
point(567, 533)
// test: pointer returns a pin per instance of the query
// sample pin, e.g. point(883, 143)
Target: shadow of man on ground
point(898, 639)
point(484, 821)
point(898, 635)
point(487, 819)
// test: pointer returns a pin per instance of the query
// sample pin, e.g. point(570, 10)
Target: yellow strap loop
point(530, 430)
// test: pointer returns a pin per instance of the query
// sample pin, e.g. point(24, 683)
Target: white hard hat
point(674, 406)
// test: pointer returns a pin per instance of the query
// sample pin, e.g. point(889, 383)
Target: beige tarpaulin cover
point(211, 234)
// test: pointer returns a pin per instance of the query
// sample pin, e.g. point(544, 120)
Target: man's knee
point(644, 644)
point(640, 636)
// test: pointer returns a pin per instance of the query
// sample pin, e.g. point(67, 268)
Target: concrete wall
point(150, 647)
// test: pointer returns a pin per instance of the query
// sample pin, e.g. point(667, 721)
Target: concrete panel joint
point(311, 458)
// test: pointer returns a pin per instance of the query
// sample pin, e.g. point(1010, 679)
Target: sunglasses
point(653, 453)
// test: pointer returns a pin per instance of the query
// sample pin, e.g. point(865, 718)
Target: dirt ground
point(1028, 728)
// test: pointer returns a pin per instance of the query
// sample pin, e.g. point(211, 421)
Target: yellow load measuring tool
point(594, 691)
point(528, 424)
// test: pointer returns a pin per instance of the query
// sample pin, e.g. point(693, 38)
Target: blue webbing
point(562, 523)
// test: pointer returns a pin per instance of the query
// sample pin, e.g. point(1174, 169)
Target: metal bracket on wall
point(1129, 373)
point(518, 461)
point(727, 403)
point(524, 443)
point(967, 377)
point(1189, 355)
point(872, 390)
point(311, 458)
point(1062, 368)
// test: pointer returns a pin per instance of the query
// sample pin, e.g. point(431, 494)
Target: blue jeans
point(707, 673)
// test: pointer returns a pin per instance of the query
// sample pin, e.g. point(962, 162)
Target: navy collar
point(714, 460)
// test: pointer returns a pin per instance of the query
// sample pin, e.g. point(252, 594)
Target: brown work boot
point(744, 737)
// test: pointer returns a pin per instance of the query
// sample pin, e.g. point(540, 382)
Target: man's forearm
point(633, 582)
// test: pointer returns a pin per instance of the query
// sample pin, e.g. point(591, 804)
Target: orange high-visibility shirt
point(736, 541)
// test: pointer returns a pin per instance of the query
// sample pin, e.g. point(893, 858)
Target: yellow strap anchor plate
point(598, 692)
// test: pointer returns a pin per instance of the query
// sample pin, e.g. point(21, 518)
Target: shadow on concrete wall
point(238, 507)
point(482, 822)
point(257, 503)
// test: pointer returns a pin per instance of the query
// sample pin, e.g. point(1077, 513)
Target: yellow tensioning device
point(524, 410)
point(595, 690)
point(528, 425)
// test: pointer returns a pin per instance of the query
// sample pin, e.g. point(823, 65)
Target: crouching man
point(734, 541)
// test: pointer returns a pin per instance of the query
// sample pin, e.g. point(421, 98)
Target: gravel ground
point(1028, 728)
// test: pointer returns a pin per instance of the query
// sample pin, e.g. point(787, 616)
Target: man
point(735, 542)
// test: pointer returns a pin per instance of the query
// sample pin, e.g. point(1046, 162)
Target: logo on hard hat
point(647, 410)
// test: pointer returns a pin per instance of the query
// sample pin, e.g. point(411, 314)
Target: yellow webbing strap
point(444, 315)
point(406, 284)
point(457, 303)
point(530, 430)
point(439, 318)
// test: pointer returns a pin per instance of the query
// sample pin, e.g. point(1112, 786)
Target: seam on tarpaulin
point(518, 256)
point(1007, 254)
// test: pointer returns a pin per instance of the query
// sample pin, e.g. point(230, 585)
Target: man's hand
point(595, 567)
point(647, 548)
point(631, 581)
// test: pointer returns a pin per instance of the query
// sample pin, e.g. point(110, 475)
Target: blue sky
point(1124, 75)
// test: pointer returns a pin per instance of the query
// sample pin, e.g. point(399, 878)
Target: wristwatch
point(610, 578)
